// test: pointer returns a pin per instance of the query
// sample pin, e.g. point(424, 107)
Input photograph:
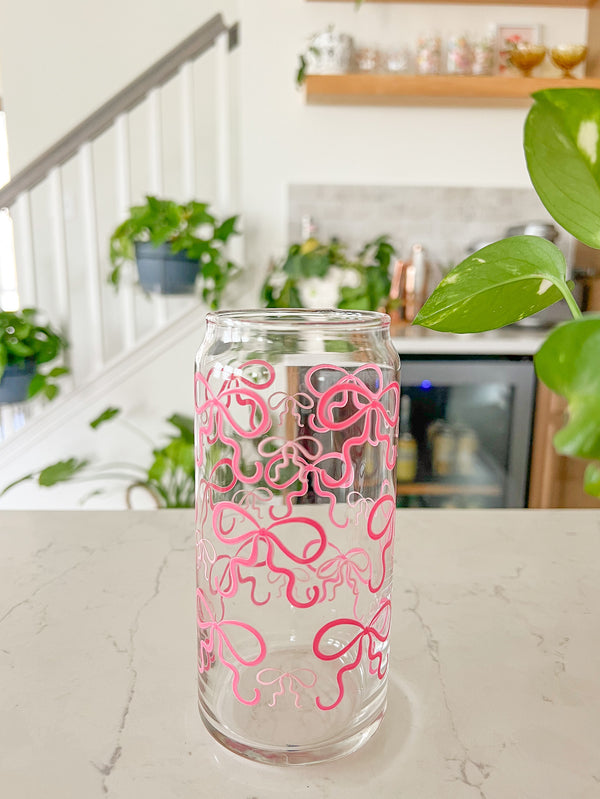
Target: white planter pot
point(329, 53)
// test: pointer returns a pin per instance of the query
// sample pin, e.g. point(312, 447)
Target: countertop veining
point(494, 690)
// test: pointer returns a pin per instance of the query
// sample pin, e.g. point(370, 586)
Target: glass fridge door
point(465, 432)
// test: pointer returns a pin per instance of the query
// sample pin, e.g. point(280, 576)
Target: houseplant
point(24, 346)
point(169, 479)
point(322, 275)
point(172, 245)
point(514, 278)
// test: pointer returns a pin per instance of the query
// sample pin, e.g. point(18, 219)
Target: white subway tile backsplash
point(446, 220)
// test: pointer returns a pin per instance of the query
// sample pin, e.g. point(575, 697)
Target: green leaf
point(568, 363)
point(181, 453)
point(16, 483)
point(185, 425)
point(50, 391)
point(61, 472)
point(496, 286)
point(37, 384)
point(58, 371)
point(105, 416)
point(19, 349)
point(562, 147)
point(226, 229)
point(3, 359)
point(591, 479)
point(159, 467)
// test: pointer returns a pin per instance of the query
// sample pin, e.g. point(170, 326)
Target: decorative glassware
point(484, 56)
point(368, 59)
point(459, 56)
point(429, 55)
point(526, 57)
point(397, 60)
point(296, 428)
point(568, 56)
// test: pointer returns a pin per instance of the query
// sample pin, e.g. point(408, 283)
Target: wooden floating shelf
point(547, 3)
point(445, 489)
point(437, 90)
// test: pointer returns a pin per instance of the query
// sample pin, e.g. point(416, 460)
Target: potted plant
point(169, 479)
point(514, 278)
point(24, 346)
point(318, 275)
point(172, 245)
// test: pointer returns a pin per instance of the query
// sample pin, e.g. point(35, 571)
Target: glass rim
point(294, 318)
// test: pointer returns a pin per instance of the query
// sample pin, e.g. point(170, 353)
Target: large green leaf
point(61, 472)
point(496, 286)
point(562, 147)
point(569, 364)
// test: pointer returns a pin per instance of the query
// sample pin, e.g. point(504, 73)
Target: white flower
point(277, 281)
point(349, 278)
point(319, 292)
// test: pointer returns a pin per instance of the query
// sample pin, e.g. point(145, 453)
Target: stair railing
point(76, 148)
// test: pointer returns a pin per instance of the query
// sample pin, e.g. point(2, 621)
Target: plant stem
point(570, 300)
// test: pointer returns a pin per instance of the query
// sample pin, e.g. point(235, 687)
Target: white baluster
point(223, 126)
point(26, 276)
point(92, 260)
point(224, 205)
point(188, 144)
point(57, 217)
point(156, 177)
point(123, 183)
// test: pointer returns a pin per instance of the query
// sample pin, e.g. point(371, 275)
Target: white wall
point(62, 59)
point(285, 141)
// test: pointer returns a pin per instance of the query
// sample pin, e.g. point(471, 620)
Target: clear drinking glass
point(296, 427)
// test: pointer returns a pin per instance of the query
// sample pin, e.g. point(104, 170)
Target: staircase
point(168, 133)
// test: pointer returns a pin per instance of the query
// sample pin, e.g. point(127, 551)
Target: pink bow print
point(374, 635)
point(357, 404)
point(302, 678)
point(259, 545)
point(380, 527)
point(215, 633)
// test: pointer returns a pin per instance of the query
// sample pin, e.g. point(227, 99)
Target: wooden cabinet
point(555, 480)
point(454, 90)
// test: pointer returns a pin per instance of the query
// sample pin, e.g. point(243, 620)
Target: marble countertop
point(513, 340)
point(494, 691)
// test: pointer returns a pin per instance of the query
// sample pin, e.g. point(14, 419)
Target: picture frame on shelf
point(508, 35)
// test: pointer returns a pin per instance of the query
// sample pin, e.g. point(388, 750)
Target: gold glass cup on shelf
point(568, 56)
point(526, 57)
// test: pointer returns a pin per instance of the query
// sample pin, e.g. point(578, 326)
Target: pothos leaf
point(562, 147)
point(568, 363)
point(496, 286)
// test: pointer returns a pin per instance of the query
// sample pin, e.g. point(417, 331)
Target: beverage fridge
point(465, 431)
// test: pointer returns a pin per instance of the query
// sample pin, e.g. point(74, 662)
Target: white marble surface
point(495, 678)
point(514, 340)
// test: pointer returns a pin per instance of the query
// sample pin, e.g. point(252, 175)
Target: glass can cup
point(428, 57)
point(296, 427)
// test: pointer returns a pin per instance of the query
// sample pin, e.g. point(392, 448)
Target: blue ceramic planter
point(164, 272)
point(15, 382)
